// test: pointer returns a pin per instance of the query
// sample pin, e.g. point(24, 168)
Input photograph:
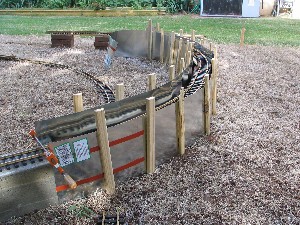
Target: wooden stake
point(210, 46)
point(157, 27)
point(188, 59)
point(181, 67)
point(172, 46)
point(150, 156)
point(150, 41)
point(162, 45)
point(171, 72)
point(214, 87)
point(242, 36)
point(202, 41)
point(193, 35)
point(119, 92)
point(207, 105)
point(181, 33)
point(151, 81)
point(216, 52)
point(77, 102)
point(180, 124)
point(178, 56)
point(105, 157)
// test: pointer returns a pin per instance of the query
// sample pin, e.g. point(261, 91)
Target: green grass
point(261, 31)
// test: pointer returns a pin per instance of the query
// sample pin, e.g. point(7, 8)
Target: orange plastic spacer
point(32, 133)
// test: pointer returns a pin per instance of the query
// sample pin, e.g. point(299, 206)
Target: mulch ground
point(246, 172)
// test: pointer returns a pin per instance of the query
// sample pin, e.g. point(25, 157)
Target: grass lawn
point(262, 31)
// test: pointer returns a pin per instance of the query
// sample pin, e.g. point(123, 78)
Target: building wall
point(250, 8)
point(296, 10)
point(266, 7)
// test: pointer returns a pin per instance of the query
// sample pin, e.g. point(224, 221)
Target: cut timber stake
point(207, 104)
point(242, 36)
point(171, 72)
point(150, 40)
point(180, 125)
point(78, 103)
point(151, 81)
point(157, 27)
point(162, 45)
point(119, 92)
point(193, 35)
point(214, 86)
point(105, 157)
point(172, 46)
point(150, 132)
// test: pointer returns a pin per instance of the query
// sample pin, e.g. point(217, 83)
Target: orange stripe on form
point(120, 140)
point(100, 176)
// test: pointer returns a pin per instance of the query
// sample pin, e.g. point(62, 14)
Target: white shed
point(240, 8)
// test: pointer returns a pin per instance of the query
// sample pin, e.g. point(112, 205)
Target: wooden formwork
point(62, 40)
point(101, 41)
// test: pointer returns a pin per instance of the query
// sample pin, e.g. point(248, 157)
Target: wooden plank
point(207, 105)
point(105, 156)
point(180, 123)
point(77, 102)
point(150, 109)
point(101, 44)
point(62, 37)
point(102, 38)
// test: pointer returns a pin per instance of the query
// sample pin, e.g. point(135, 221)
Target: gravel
point(246, 172)
point(31, 92)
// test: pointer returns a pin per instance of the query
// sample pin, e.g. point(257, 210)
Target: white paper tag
point(64, 154)
point(81, 149)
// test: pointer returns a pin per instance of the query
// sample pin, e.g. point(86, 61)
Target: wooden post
point(180, 124)
point(188, 58)
point(172, 46)
point(216, 52)
point(151, 81)
point(105, 157)
point(182, 65)
point(242, 36)
point(78, 103)
point(179, 54)
point(202, 41)
point(193, 35)
point(150, 41)
point(210, 46)
point(171, 72)
point(119, 92)
point(150, 131)
point(181, 33)
point(162, 45)
point(207, 105)
point(191, 47)
point(214, 86)
point(157, 27)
